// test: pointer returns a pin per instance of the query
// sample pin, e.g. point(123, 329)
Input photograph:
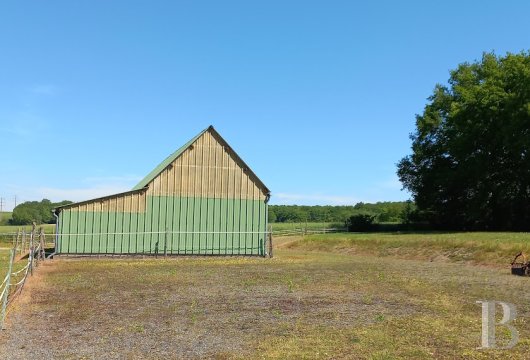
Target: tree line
point(382, 212)
point(40, 212)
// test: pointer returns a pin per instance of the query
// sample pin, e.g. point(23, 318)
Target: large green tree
point(470, 162)
point(35, 211)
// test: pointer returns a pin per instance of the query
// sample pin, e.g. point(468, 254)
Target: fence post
point(32, 247)
point(270, 243)
point(23, 248)
point(18, 236)
point(32, 237)
point(165, 241)
point(30, 260)
point(6, 290)
point(42, 245)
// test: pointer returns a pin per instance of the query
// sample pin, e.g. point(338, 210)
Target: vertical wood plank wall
point(204, 202)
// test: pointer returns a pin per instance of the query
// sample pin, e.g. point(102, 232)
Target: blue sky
point(318, 97)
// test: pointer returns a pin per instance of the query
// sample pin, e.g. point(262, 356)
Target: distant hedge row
point(382, 212)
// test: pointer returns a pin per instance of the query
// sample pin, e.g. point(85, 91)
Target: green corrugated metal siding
point(180, 225)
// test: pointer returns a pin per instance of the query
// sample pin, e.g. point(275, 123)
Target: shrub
point(361, 222)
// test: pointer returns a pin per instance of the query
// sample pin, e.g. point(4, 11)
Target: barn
point(201, 200)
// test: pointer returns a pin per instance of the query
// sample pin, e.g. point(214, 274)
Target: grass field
point(4, 217)
point(474, 247)
point(7, 231)
point(321, 297)
point(309, 226)
point(48, 228)
point(4, 262)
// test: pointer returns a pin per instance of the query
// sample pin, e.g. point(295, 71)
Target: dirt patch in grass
point(297, 305)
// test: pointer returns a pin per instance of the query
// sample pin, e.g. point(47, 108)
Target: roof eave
point(59, 208)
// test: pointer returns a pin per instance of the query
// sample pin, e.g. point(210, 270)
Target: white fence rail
point(305, 231)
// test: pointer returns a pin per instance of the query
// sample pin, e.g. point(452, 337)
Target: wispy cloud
point(312, 199)
point(86, 189)
point(43, 89)
point(96, 186)
point(384, 190)
point(78, 194)
point(124, 179)
point(392, 184)
point(24, 125)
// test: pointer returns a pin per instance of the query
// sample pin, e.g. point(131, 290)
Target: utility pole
point(15, 201)
point(1, 204)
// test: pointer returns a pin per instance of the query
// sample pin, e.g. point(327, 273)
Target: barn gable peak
point(164, 164)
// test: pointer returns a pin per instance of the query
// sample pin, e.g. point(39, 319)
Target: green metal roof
point(74, 204)
point(164, 164)
point(153, 174)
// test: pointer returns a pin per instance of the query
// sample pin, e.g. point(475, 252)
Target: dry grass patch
point(491, 248)
point(307, 305)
